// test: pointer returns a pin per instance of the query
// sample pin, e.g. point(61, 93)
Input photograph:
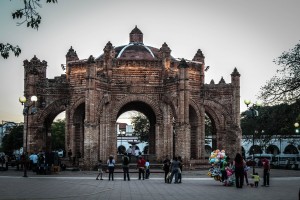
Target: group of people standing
point(240, 170)
point(142, 165)
point(173, 168)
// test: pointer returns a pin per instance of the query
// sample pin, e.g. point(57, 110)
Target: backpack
point(125, 160)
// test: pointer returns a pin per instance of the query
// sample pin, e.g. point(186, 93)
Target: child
point(147, 166)
point(256, 178)
point(99, 170)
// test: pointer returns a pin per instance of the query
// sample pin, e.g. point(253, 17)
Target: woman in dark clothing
point(239, 165)
point(166, 168)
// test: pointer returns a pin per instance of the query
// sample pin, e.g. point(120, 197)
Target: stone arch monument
point(172, 93)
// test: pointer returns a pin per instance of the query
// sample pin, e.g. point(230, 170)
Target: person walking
point(239, 165)
point(166, 168)
point(147, 166)
point(125, 165)
point(100, 171)
point(266, 167)
point(175, 168)
point(111, 167)
point(141, 167)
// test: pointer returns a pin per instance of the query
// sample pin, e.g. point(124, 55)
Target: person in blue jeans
point(147, 166)
point(175, 169)
point(111, 167)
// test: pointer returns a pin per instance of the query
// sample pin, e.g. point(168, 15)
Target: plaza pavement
point(75, 185)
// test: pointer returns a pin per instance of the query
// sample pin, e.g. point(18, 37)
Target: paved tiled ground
point(196, 185)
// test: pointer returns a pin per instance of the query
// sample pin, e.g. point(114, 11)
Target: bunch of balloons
point(216, 157)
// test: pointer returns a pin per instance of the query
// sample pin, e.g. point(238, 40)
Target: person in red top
point(266, 166)
point(141, 166)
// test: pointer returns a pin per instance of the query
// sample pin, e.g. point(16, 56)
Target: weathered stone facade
point(94, 92)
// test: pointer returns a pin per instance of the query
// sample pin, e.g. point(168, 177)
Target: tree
point(13, 140)
point(285, 87)
point(6, 48)
point(58, 135)
point(31, 17)
point(141, 126)
point(272, 120)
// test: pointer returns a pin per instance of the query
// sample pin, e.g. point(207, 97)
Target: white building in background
point(276, 145)
point(125, 139)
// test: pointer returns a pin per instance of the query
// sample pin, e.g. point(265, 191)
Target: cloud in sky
point(243, 34)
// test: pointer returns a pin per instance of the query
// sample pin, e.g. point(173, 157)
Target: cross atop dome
point(136, 36)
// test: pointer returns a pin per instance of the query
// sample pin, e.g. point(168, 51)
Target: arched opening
point(143, 109)
point(54, 133)
point(210, 132)
point(255, 150)
point(57, 134)
point(194, 126)
point(130, 139)
point(273, 149)
point(290, 149)
point(208, 151)
point(78, 123)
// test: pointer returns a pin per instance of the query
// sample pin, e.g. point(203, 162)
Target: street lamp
point(296, 127)
point(252, 113)
point(26, 112)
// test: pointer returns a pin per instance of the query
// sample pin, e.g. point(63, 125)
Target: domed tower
point(136, 36)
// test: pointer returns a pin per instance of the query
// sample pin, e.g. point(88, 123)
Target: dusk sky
point(247, 35)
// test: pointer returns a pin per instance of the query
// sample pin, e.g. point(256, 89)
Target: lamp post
point(296, 125)
point(26, 112)
point(252, 113)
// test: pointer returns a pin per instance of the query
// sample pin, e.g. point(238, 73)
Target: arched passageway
point(146, 110)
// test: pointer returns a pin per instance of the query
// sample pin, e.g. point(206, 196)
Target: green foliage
point(273, 120)
point(29, 13)
point(13, 140)
point(6, 48)
point(58, 135)
point(285, 86)
point(141, 126)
